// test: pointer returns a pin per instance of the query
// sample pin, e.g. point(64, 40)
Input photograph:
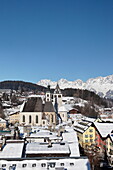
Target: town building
point(36, 113)
point(85, 132)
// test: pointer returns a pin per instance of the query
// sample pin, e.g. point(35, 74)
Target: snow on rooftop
point(2, 120)
point(104, 128)
point(13, 110)
point(42, 134)
point(69, 107)
point(70, 137)
point(62, 109)
point(74, 147)
point(35, 148)
point(89, 119)
point(12, 150)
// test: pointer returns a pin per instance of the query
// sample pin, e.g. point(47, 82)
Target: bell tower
point(48, 94)
point(57, 96)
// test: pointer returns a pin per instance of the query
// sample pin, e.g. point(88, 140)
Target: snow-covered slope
point(100, 85)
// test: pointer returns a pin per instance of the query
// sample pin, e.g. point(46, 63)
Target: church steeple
point(57, 89)
point(57, 96)
point(48, 94)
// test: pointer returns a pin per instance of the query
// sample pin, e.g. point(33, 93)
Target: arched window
point(36, 119)
point(23, 118)
point(52, 118)
point(30, 119)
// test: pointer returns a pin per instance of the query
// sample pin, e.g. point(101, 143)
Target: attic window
point(14, 165)
point(33, 165)
point(52, 165)
point(43, 165)
point(24, 165)
point(71, 164)
point(62, 164)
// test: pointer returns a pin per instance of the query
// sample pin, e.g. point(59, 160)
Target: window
point(86, 141)
point(71, 164)
point(43, 165)
point(23, 118)
point(91, 140)
point(62, 164)
point(52, 118)
point(30, 119)
point(3, 165)
point(86, 136)
point(47, 95)
point(14, 165)
point(52, 165)
point(59, 96)
point(33, 165)
point(24, 165)
point(91, 136)
point(36, 118)
point(90, 130)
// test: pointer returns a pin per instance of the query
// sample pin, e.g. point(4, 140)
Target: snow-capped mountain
point(102, 86)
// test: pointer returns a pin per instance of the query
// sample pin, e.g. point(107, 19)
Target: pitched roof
point(104, 128)
point(48, 107)
point(33, 104)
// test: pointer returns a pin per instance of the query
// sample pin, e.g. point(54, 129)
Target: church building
point(38, 112)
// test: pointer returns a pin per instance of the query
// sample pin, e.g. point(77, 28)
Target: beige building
point(14, 118)
point(2, 123)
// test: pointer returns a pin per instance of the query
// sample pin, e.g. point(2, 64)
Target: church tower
point(57, 96)
point(48, 94)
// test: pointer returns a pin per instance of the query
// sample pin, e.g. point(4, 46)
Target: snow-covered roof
point(13, 110)
point(104, 128)
point(42, 134)
point(12, 150)
point(35, 148)
point(79, 130)
point(89, 119)
point(74, 147)
point(2, 120)
point(62, 109)
point(69, 107)
point(70, 137)
point(107, 120)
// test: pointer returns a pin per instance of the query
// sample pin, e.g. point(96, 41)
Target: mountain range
point(103, 86)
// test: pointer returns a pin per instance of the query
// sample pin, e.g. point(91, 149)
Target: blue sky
point(53, 39)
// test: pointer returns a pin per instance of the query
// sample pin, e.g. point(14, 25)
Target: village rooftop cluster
point(46, 131)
